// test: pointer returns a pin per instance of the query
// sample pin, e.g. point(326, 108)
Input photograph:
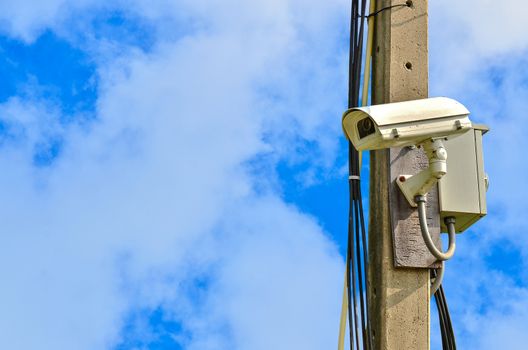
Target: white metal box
point(462, 191)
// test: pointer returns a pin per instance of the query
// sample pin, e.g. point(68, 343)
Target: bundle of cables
point(355, 303)
point(446, 327)
point(357, 259)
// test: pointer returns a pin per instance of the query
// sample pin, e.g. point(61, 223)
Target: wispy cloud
point(478, 56)
point(151, 206)
point(164, 205)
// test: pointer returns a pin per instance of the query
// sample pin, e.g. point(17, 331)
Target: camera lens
point(365, 127)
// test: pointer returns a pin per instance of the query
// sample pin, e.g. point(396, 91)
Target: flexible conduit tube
point(438, 279)
point(450, 223)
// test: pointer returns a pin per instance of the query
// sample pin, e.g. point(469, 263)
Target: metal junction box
point(462, 191)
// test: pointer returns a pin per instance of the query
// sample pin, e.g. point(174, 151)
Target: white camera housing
point(403, 124)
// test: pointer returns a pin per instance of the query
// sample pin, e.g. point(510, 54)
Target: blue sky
point(174, 173)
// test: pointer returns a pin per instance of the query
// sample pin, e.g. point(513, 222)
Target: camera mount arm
point(415, 187)
point(419, 184)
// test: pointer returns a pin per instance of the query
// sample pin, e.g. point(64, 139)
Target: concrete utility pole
point(399, 283)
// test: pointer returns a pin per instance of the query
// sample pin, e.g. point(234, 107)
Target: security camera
point(404, 123)
point(427, 123)
point(437, 125)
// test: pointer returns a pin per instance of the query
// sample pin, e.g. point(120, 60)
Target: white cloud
point(486, 26)
point(26, 19)
point(478, 51)
point(288, 315)
point(155, 193)
point(493, 85)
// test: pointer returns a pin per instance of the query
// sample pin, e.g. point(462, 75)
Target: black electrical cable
point(350, 254)
point(375, 13)
point(365, 259)
point(441, 318)
point(349, 297)
point(351, 268)
point(449, 325)
point(446, 327)
point(352, 100)
point(362, 270)
point(359, 327)
point(351, 243)
point(359, 50)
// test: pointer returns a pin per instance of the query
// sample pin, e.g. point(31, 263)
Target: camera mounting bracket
point(421, 183)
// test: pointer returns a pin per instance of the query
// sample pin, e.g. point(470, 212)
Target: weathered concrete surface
point(398, 297)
